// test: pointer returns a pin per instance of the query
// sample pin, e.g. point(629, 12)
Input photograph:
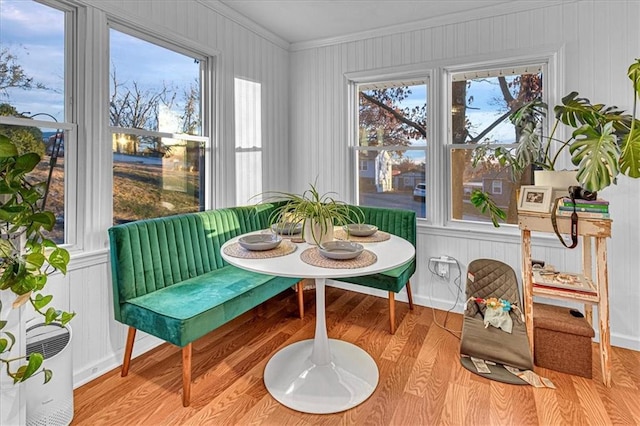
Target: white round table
point(323, 375)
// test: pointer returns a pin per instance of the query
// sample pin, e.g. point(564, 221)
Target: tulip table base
point(322, 375)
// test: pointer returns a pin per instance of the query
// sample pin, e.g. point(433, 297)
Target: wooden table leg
point(603, 309)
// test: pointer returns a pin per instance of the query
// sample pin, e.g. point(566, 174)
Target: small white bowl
point(360, 229)
point(259, 242)
point(340, 250)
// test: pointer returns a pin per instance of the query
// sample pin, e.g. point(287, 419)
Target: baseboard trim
point(142, 345)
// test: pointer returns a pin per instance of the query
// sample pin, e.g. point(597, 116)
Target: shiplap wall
point(595, 42)
point(238, 52)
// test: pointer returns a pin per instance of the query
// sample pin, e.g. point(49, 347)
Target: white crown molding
point(245, 22)
point(455, 18)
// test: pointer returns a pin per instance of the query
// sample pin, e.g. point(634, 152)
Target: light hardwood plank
point(421, 379)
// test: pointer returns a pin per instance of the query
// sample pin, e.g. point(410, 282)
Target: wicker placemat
point(236, 250)
point(341, 234)
point(313, 257)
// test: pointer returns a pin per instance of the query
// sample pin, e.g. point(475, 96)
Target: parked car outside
point(419, 192)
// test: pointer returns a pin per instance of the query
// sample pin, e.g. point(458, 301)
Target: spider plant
point(312, 209)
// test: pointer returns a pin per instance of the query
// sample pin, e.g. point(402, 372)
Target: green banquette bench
point(169, 279)
point(401, 223)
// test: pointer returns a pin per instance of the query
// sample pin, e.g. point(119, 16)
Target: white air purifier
point(50, 404)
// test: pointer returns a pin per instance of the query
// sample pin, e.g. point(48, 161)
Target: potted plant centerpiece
point(604, 143)
point(27, 257)
point(316, 213)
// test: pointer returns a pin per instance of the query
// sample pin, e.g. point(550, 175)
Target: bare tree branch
point(396, 114)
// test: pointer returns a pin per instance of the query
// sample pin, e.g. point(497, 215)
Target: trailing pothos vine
point(27, 257)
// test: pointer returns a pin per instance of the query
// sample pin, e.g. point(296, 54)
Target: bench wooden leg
point(300, 287)
point(126, 361)
point(392, 311)
point(186, 375)
point(409, 295)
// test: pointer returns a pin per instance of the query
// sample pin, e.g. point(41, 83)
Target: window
point(391, 143)
point(35, 94)
point(496, 187)
point(156, 116)
point(481, 101)
point(248, 130)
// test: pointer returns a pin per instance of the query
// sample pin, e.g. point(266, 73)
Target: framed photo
point(535, 198)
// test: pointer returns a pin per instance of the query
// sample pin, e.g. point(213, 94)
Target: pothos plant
point(27, 257)
point(604, 143)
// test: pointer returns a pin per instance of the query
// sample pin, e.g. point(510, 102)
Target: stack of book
point(595, 209)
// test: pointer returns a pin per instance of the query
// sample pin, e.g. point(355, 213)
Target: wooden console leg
point(392, 311)
point(409, 295)
point(126, 361)
point(300, 287)
point(186, 375)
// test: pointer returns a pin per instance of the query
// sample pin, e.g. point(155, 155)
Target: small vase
point(314, 234)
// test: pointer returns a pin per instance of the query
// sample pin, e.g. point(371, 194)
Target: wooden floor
point(421, 380)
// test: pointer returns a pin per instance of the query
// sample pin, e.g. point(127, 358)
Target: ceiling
point(298, 21)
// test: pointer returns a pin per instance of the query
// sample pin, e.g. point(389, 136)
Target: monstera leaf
point(575, 111)
point(630, 156)
point(596, 154)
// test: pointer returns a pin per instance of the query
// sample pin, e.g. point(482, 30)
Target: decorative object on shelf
point(575, 193)
point(27, 257)
point(604, 143)
point(548, 277)
point(535, 198)
point(317, 213)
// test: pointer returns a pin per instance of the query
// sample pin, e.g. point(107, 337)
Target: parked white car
point(419, 192)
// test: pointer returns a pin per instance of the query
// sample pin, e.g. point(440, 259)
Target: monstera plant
point(604, 143)
point(27, 257)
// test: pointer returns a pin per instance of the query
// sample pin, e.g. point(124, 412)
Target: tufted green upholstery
point(397, 222)
point(169, 279)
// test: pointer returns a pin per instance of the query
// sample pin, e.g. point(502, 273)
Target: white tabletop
point(390, 253)
point(323, 375)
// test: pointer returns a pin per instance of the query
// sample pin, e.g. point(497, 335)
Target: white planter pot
point(313, 232)
point(559, 180)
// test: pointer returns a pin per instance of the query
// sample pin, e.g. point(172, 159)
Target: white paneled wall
point(253, 55)
point(595, 42)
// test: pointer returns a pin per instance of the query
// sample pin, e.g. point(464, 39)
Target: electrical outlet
point(442, 269)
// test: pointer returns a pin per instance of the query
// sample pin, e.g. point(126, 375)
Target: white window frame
point(549, 63)
point(414, 73)
point(207, 79)
point(438, 159)
point(69, 125)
